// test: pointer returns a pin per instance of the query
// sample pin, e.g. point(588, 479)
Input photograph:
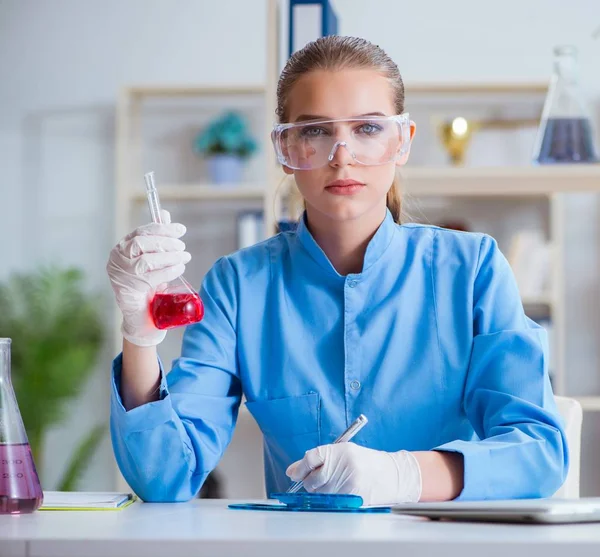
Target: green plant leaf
point(226, 134)
point(57, 332)
point(81, 459)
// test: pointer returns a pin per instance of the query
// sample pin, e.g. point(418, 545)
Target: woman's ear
point(404, 158)
point(287, 169)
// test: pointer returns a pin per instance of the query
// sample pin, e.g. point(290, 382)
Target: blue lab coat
point(429, 341)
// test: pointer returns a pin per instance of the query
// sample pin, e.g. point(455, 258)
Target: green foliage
point(57, 332)
point(226, 134)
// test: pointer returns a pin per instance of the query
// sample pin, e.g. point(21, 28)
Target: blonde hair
point(335, 52)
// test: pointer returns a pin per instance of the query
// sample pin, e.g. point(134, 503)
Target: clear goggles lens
point(369, 141)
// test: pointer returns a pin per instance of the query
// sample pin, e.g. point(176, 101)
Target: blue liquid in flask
point(567, 140)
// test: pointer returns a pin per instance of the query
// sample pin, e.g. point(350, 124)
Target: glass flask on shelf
point(175, 303)
point(20, 488)
point(565, 133)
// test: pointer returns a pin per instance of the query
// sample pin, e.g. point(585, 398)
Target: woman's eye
point(312, 132)
point(369, 129)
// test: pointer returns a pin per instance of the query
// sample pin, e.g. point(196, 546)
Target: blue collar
point(376, 248)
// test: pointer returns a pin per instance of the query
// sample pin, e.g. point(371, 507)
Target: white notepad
point(86, 500)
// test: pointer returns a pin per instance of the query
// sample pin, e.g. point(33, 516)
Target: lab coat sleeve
point(166, 449)
point(522, 449)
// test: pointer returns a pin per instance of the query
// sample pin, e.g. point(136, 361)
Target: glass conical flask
point(174, 303)
point(20, 489)
point(565, 134)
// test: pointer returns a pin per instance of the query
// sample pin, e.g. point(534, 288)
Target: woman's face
point(347, 93)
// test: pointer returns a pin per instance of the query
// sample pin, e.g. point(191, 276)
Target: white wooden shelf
point(475, 88)
point(193, 90)
point(206, 192)
point(429, 181)
point(501, 181)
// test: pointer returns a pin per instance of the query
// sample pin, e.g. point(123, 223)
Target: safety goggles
point(370, 141)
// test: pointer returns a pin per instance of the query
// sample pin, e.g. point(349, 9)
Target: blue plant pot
point(225, 169)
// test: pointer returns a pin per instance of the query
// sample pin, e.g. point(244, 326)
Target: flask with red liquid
point(20, 489)
point(174, 303)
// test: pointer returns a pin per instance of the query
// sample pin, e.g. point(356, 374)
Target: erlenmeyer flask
point(20, 489)
point(565, 134)
point(174, 303)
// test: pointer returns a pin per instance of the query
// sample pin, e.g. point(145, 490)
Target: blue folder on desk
point(312, 502)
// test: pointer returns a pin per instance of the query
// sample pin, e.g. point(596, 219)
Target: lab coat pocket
point(290, 425)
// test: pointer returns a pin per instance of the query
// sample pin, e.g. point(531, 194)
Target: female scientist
point(419, 328)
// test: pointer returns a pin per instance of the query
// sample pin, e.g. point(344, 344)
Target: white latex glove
point(141, 261)
point(379, 477)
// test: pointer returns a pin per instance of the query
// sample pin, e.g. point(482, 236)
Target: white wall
point(473, 40)
point(63, 61)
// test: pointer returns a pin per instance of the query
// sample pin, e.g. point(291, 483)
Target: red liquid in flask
point(176, 309)
point(20, 490)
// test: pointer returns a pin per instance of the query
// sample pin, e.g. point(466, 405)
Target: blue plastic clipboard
point(312, 502)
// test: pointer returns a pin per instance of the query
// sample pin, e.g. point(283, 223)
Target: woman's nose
point(341, 155)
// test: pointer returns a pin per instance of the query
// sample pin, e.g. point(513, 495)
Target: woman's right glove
point(151, 255)
point(379, 477)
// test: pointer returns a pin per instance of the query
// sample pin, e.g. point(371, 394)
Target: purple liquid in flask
point(20, 489)
point(565, 134)
point(567, 140)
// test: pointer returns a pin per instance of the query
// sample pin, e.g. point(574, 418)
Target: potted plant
point(225, 142)
point(57, 333)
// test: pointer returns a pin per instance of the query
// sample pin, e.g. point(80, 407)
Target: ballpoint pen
point(352, 430)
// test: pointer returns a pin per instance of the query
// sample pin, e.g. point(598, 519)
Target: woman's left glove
point(379, 477)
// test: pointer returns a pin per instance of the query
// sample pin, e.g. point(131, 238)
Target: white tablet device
point(540, 511)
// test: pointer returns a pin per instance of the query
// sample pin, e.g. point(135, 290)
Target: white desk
point(207, 527)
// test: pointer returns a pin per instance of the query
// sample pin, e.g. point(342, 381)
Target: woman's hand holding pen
point(379, 477)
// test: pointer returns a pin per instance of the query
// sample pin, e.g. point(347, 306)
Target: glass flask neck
point(565, 63)
point(5, 360)
point(11, 423)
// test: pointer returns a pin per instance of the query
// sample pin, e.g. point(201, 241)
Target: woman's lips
point(344, 187)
